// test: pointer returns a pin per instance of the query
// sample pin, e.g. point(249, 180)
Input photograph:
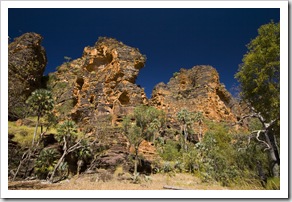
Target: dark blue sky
point(170, 38)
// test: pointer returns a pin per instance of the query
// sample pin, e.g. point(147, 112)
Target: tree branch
point(258, 132)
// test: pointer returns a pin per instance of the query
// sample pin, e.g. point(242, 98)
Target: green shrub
point(167, 167)
point(171, 151)
point(45, 162)
point(190, 160)
point(216, 156)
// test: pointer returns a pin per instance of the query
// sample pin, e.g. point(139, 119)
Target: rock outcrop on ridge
point(101, 82)
point(26, 64)
point(97, 91)
point(198, 90)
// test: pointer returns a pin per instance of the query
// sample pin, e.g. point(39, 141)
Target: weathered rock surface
point(26, 64)
point(197, 90)
point(97, 89)
point(101, 82)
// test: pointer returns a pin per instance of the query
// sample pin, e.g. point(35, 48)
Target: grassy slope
point(23, 134)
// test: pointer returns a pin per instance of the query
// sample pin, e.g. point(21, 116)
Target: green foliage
point(189, 160)
point(254, 124)
point(41, 102)
point(187, 120)
point(84, 152)
point(215, 156)
point(171, 151)
point(185, 117)
point(175, 74)
point(132, 132)
point(45, 162)
point(167, 167)
point(68, 59)
point(147, 119)
point(259, 75)
point(145, 116)
point(67, 130)
point(248, 153)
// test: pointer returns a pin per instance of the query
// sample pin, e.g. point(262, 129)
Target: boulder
point(26, 64)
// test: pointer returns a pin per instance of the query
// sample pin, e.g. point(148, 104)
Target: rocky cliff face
point(97, 91)
point(26, 64)
point(197, 90)
point(101, 82)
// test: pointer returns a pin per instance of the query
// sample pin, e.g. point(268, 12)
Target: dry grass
point(23, 134)
point(91, 182)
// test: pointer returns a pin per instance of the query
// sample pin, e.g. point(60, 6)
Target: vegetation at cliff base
point(97, 127)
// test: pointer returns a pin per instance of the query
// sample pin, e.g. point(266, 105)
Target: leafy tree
point(259, 75)
point(68, 138)
point(198, 117)
point(154, 127)
point(259, 78)
point(45, 162)
point(186, 118)
point(216, 155)
point(41, 102)
point(146, 119)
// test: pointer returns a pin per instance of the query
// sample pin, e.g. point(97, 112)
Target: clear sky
point(170, 38)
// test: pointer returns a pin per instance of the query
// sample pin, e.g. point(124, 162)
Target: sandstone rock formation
point(26, 64)
point(98, 89)
point(101, 82)
point(197, 90)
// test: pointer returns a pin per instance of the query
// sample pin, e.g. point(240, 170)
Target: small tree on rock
point(68, 138)
point(40, 102)
point(186, 118)
point(146, 118)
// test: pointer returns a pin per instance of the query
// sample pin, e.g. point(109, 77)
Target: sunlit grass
point(273, 183)
point(23, 134)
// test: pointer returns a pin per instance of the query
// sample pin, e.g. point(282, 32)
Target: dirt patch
point(152, 182)
point(27, 185)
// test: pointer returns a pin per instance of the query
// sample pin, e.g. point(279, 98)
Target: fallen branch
point(174, 188)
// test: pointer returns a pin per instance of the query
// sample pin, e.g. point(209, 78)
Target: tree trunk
point(136, 162)
point(26, 157)
point(57, 166)
point(275, 162)
point(79, 165)
point(35, 131)
point(185, 137)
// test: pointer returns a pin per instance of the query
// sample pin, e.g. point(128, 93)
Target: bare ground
point(155, 182)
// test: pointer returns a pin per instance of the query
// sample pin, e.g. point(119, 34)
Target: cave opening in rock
point(80, 82)
point(91, 99)
point(124, 98)
point(99, 62)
